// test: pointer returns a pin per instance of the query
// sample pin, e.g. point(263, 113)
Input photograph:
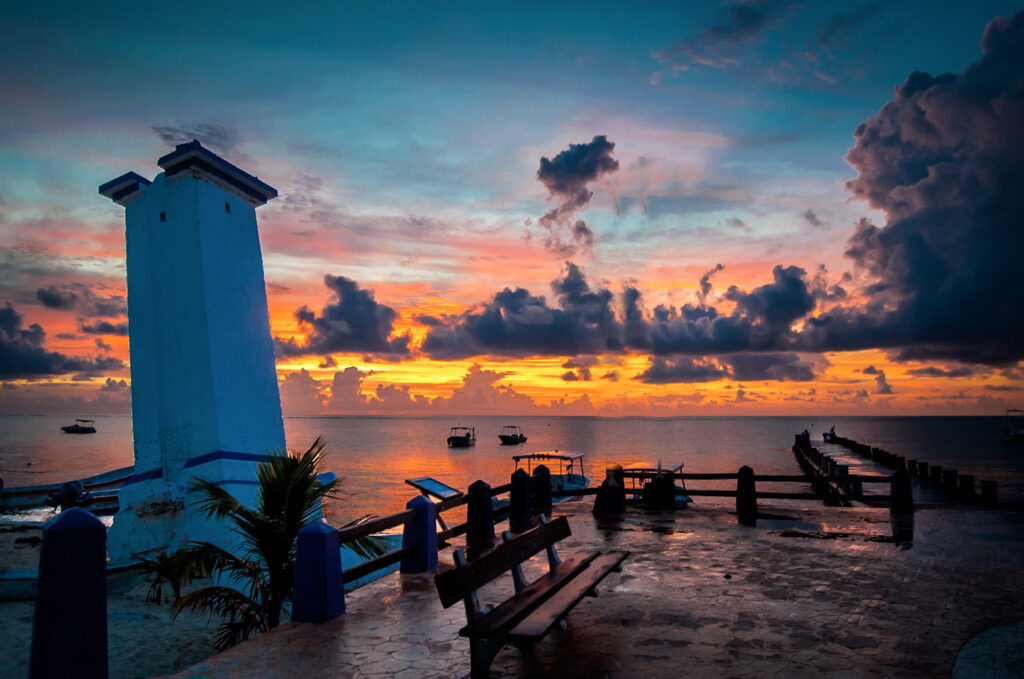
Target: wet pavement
point(807, 593)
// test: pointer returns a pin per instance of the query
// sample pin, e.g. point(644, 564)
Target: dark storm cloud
point(80, 297)
point(778, 367)
point(23, 354)
point(352, 322)
point(517, 323)
point(215, 137)
point(103, 327)
point(686, 370)
point(747, 367)
point(945, 161)
point(566, 176)
point(932, 371)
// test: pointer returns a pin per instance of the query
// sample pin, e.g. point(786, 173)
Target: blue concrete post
point(746, 497)
point(69, 629)
point(520, 517)
point(540, 487)
point(319, 593)
point(421, 534)
point(479, 515)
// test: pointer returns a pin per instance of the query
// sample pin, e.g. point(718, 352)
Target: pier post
point(611, 495)
point(421, 535)
point(746, 497)
point(520, 517)
point(479, 516)
point(319, 592)
point(949, 483)
point(912, 467)
point(922, 470)
point(901, 495)
point(989, 493)
point(540, 486)
point(69, 628)
point(935, 474)
point(967, 487)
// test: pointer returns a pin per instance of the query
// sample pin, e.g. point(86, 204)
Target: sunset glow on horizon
point(752, 208)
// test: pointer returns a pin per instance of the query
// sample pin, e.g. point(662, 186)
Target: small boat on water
point(462, 437)
point(1013, 430)
point(636, 476)
point(80, 427)
point(570, 474)
point(511, 435)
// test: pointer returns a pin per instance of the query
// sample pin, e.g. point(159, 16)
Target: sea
point(375, 455)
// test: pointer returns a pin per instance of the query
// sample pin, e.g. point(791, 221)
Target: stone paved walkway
point(823, 592)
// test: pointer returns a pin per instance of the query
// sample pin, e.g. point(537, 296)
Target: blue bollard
point(540, 487)
point(520, 517)
point(421, 534)
point(319, 593)
point(479, 516)
point(69, 629)
point(746, 497)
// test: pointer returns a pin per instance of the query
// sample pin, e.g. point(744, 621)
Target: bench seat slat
point(509, 613)
point(455, 584)
point(547, 615)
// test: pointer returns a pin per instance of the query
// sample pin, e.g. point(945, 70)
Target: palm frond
point(244, 616)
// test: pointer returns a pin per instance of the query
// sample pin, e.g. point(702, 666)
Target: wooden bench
point(536, 608)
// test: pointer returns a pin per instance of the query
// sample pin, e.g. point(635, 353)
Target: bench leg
point(481, 654)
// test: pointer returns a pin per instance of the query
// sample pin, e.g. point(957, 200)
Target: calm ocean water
point(375, 455)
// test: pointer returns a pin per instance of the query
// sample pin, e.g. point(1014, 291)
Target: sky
point(616, 209)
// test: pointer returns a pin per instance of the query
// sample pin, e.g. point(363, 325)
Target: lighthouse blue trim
point(226, 455)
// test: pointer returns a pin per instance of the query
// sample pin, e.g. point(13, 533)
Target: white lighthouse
point(204, 386)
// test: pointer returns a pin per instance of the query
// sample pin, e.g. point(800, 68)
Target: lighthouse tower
point(205, 401)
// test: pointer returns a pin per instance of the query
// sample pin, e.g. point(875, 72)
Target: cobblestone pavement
point(808, 593)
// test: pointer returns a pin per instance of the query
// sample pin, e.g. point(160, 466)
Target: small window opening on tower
point(227, 208)
point(163, 216)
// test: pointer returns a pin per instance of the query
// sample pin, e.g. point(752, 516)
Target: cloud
point(103, 327)
point(566, 176)
point(517, 323)
point(932, 371)
point(215, 137)
point(352, 322)
point(881, 386)
point(81, 297)
point(720, 45)
point(687, 370)
point(705, 283)
point(23, 354)
point(943, 159)
point(813, 219)
point(748, 367)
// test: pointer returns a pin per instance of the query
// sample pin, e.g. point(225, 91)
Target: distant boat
point(1013, 431)
point(80, 427)
point(462, 437)
point(511, 435)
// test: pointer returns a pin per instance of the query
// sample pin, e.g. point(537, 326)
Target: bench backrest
point(456, 584)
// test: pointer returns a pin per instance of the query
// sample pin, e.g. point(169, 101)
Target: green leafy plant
point(258, 581)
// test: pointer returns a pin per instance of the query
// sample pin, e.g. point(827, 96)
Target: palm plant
point(262, 575)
